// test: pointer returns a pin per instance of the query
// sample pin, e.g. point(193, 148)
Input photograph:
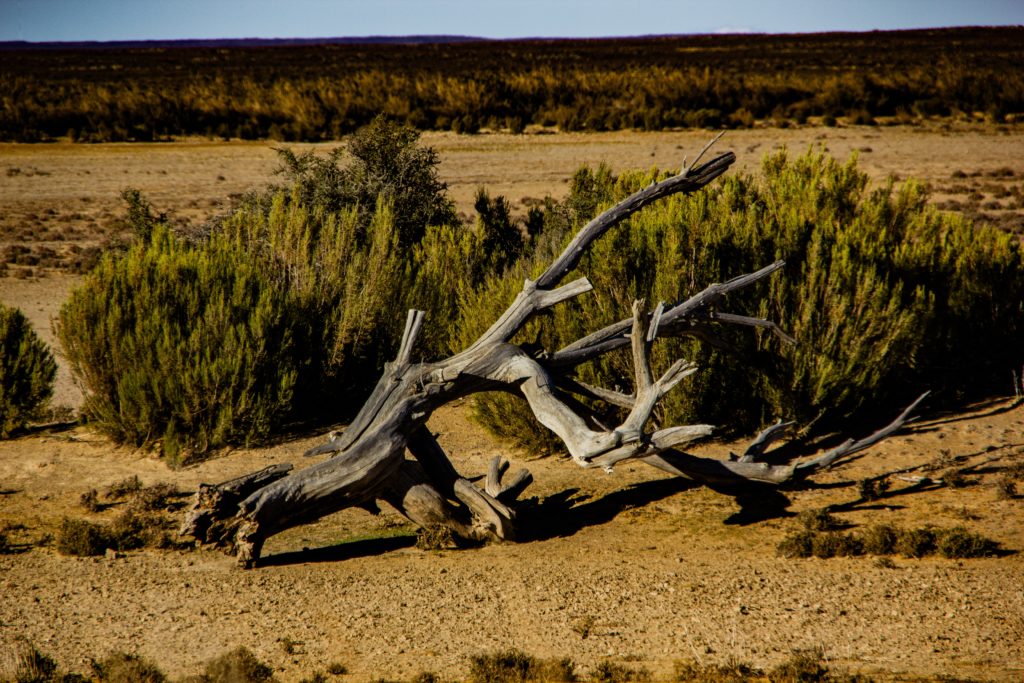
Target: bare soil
point(636, 568)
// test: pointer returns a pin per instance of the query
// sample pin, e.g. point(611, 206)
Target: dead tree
point(368, 460)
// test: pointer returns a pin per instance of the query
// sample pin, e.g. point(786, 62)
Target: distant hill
point(234, 42)
point(315, 89)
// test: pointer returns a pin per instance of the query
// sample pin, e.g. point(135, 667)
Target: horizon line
point(460, 38)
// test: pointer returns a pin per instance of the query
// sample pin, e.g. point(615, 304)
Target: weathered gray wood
point(213, 503)
point(368, 460)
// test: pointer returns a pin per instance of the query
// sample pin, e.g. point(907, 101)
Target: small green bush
point(186, 345)
point(122, 667)
point(959, 542)
point(385, 163)
point(835, 544)
point(130, 530)
point(514, 666)
point(881, 539)
point(237, 666)
point(27, 371)
point(916, 542)
point(82, 538)
point(819, 520)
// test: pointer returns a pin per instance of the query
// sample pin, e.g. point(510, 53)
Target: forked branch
point(369, 461)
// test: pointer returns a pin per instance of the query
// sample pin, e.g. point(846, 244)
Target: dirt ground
point(638, 569)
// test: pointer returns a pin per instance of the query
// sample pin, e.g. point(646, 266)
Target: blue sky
point(72, 20)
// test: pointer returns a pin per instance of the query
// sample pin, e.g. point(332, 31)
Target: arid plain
point(642, 570)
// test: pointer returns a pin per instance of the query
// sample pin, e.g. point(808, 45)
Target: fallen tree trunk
point(368, 460)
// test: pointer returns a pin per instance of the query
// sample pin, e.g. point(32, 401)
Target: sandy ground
point(633, 567)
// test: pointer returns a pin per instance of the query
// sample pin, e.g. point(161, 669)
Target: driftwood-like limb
point(368, 461)
point(850, 447)
point(765, 439)
point(214, 503)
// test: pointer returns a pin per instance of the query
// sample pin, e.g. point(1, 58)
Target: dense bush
point(284, 310)
point(384, 161)
point(186, 345)
point(886, 296)
point(27, 371)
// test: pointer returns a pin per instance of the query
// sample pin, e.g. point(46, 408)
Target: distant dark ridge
point(234, 42)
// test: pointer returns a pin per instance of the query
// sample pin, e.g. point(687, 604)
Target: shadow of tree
point(348, 550)
point(564, 513)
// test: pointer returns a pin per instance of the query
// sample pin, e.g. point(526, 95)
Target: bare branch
point(850, 446)
point(674, 321)
point(413, 324)
point(765, 439)
point(733, 319)
point(695, 179)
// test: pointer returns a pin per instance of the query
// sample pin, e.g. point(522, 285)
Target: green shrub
point(385, 162)
point(514, 666)
point(122, 667)
point(915, 542)
point(82, 538)
point(959, 542)
point(284, 311)
point(27, 371)
point(237, 666)
point(184, 344)
point(819, 520)
point(881, 539)
point(885, 295)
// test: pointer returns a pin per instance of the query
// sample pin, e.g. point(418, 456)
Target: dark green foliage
point(514, 666)
point(502, 240)
point(384, 163)
point(803, 666)
point(317, 92)
point(959, 542)
point(798, 544)
point(885, 295)
point(122, 667)
point(873, 489)
point(27, 371)
point(82, 538)
point(130, 530)
point(238, 666)
point(880, 539)
point(916, 542)
point(183, 344)
point(835, 544)
point(283, 311)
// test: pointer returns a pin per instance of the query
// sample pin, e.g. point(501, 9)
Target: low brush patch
point(884, 539)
